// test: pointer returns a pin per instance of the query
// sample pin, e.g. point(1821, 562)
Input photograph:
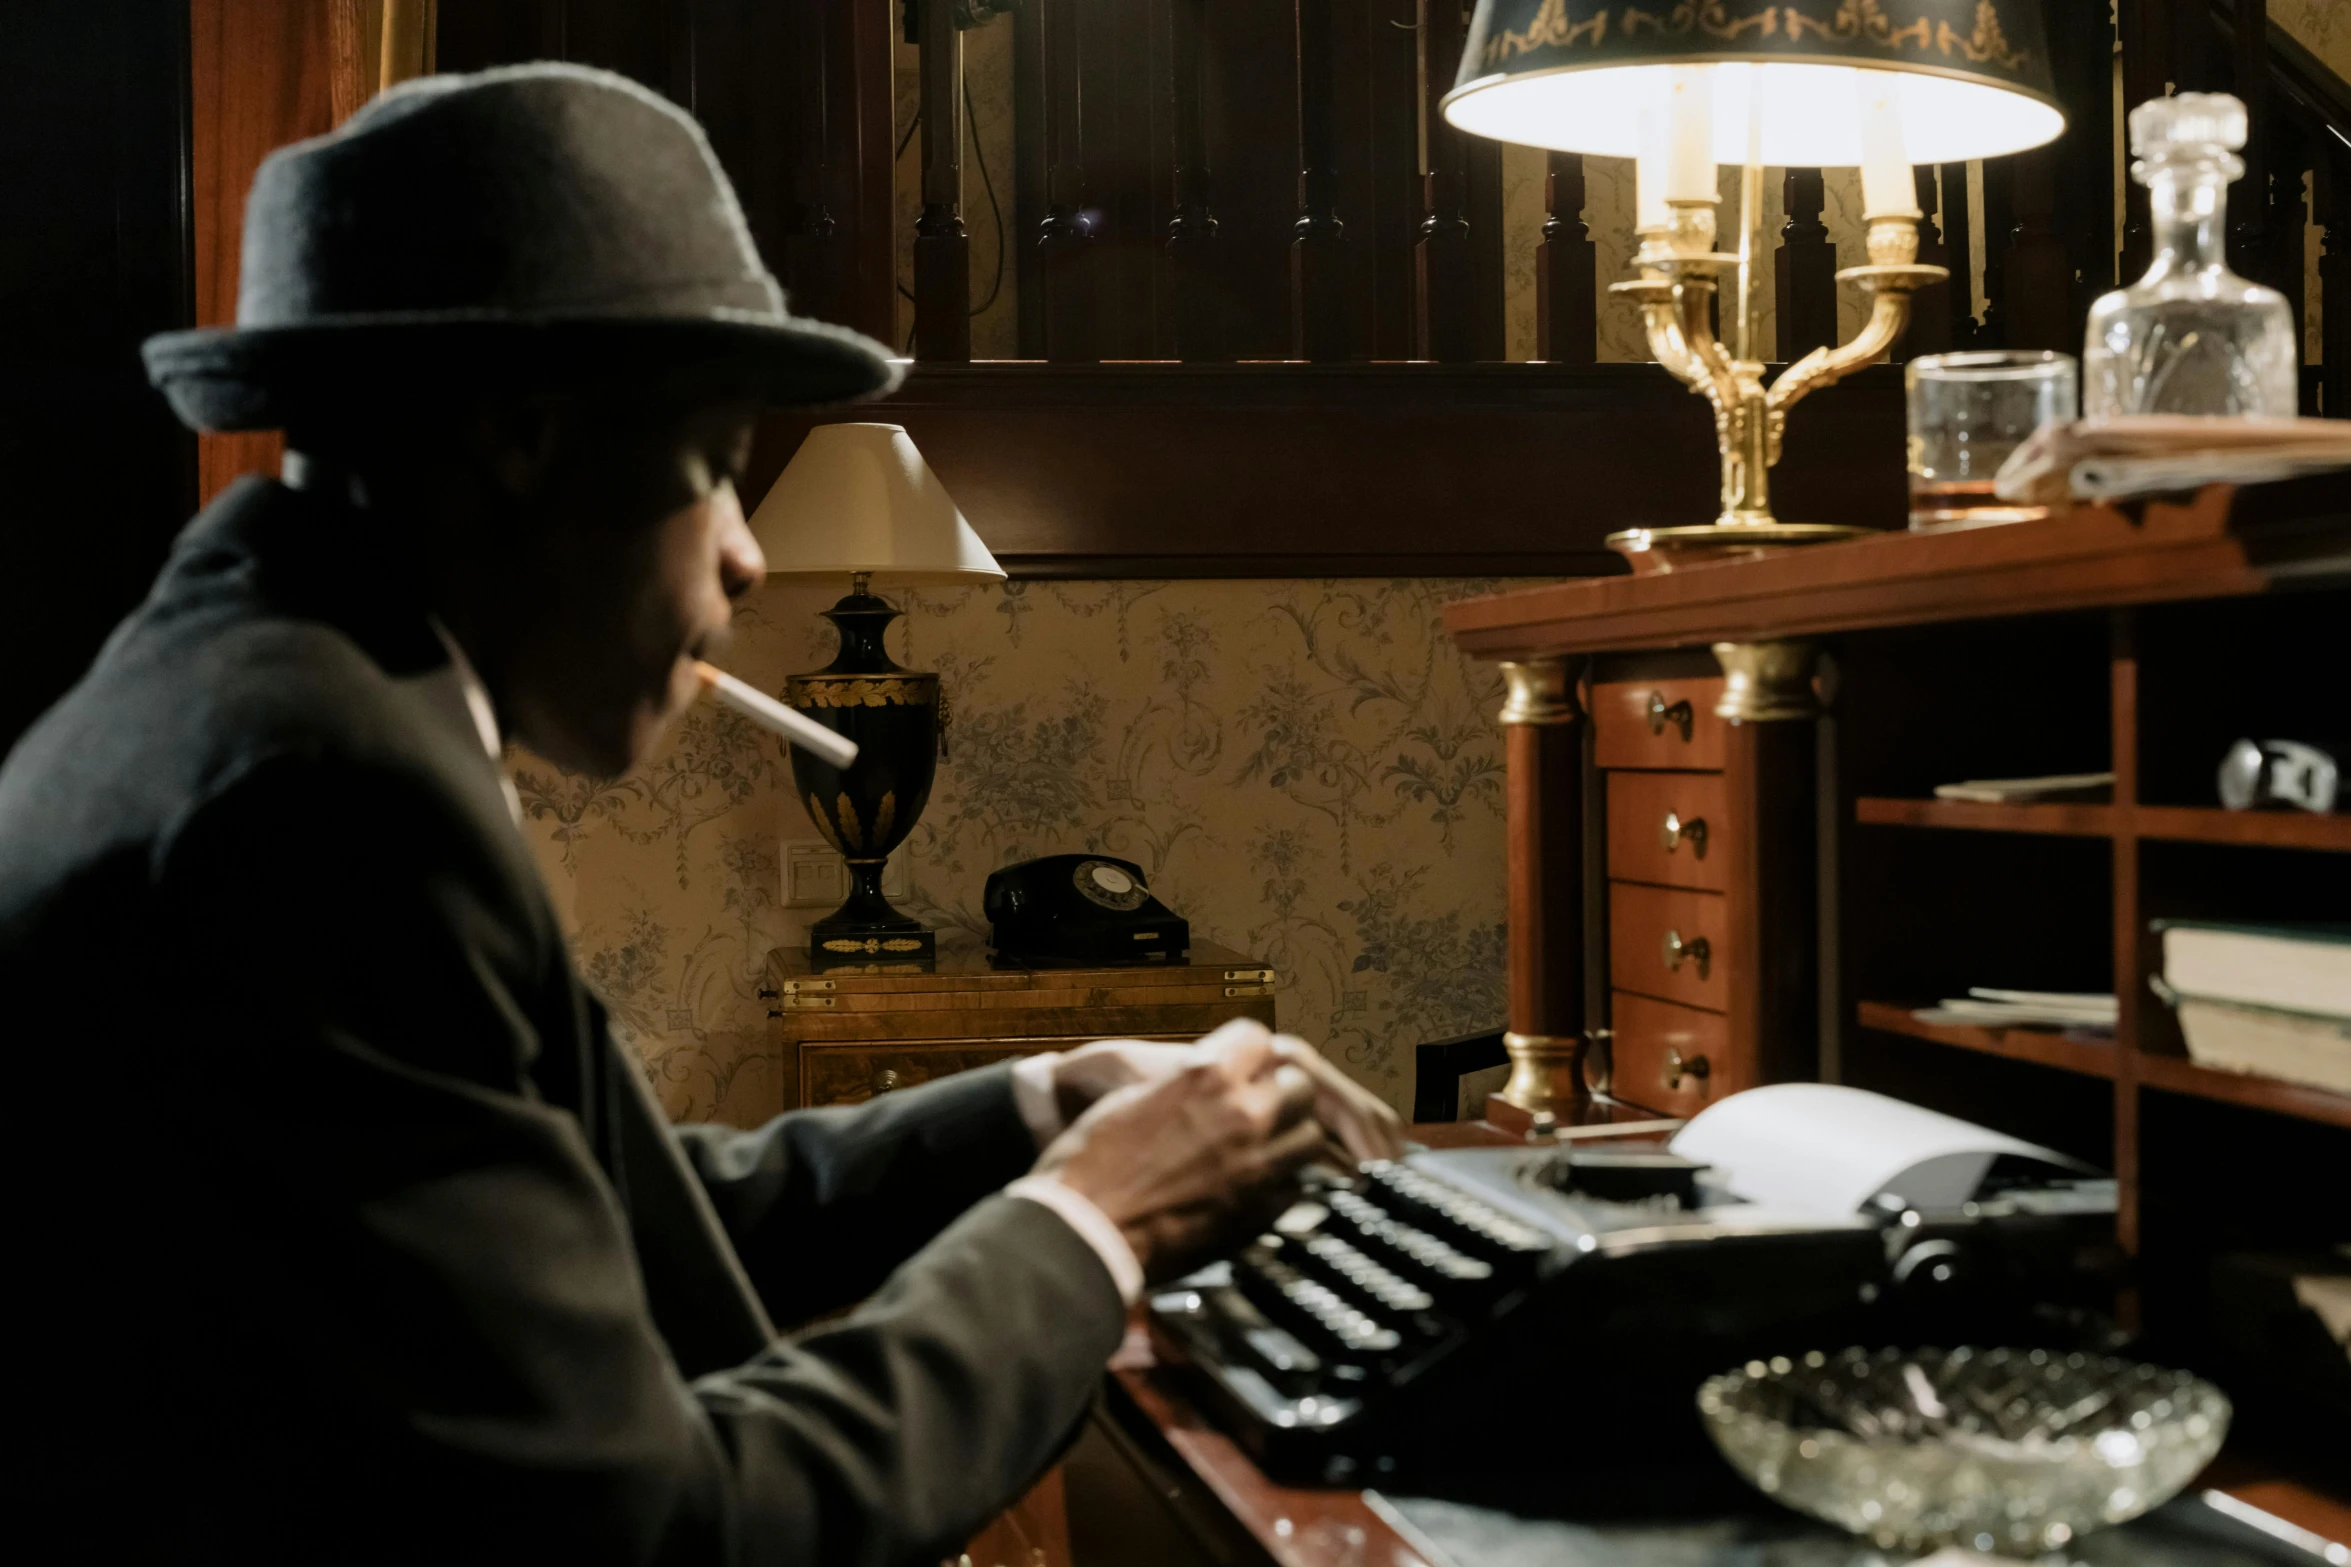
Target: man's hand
point(1192, 1160)
point(1357, 1119)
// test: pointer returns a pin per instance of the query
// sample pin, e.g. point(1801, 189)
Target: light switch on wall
point(817, 878)
point(814, 877)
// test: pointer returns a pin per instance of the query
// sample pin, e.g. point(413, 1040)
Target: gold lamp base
point(1681, 272)
point(1656, 551)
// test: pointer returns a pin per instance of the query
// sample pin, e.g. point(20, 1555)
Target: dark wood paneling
point(1252, 470)
point(94, 256)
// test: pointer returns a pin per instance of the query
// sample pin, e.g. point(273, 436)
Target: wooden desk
point(1151, 1447)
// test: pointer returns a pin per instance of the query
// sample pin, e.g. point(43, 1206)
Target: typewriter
point(1542, 1297)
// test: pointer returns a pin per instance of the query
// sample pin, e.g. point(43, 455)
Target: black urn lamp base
point(866, 928)
point(867, 808)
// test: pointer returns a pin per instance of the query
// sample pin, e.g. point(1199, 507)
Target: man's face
point(639, 548)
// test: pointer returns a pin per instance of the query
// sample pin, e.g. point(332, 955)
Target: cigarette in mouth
point(768, 713)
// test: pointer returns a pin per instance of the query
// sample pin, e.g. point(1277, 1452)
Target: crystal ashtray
point(2009, 1450)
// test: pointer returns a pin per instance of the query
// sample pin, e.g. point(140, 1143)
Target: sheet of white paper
point(1826, 1150)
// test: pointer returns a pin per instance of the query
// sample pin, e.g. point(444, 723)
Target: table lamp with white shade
point(1682, 86)
point(857, 501)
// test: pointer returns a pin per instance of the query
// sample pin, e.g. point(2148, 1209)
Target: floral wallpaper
point(1306, 770)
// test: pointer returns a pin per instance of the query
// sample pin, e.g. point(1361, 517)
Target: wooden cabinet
point(842, 1035)
point(1804, 706)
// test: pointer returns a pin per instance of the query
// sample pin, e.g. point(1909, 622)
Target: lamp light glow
point(1809, 116)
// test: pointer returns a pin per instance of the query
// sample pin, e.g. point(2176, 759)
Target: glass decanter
point(2191, 337)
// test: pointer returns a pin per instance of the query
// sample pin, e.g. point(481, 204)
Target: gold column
point(1544, 845)
point(1765, 682)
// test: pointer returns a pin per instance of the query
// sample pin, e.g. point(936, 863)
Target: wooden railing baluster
point(1805, 278)
point(2333, 190)
point(942, 251)
point(2081, 63)
point(1191, 232)
point(1929, 331)
point(1567, 319)
point(1318, 283)
point(2195, 53)
point(810, 265)
point(2037, 281)
point(1999, 175)
point(1959, 246)
point(2249, 199)
point(1441, 282)
point(2146, 73)
point(1063, 235)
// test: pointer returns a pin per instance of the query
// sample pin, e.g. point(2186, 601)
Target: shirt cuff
point(1034, 1096)
point(1094, 1227)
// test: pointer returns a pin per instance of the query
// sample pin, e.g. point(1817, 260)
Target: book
point(2018, 791)
point(2292, 1047)
point(2286, 968)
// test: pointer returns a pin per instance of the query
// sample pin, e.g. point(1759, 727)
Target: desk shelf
point(2179, 1075)
point(2262, 829)
point(2170, 1074)
point(2041, 1046)
point(2165, 823)
point(2070, 821)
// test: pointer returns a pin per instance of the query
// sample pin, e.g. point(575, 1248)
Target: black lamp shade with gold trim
point(1972, 76)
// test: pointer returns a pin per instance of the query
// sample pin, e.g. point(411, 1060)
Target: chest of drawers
point(1693, 890)
point(843, 1035)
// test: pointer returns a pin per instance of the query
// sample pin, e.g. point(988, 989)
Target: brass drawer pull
point(1695, 949)
point(1661, 713)
point(1679, 1066)
point(1678, 832)
point(885, 1079)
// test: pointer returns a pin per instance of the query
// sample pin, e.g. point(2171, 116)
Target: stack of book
point(2076, 1012)
point(2268, 999)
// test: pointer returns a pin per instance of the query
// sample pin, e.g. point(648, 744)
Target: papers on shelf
point(2019, 791)
point(2151, 454)
point(1983, 1007)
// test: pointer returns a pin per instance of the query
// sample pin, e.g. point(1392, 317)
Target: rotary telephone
point(1081, 908)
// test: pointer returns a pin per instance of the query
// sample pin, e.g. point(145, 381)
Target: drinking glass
point(1967, 413)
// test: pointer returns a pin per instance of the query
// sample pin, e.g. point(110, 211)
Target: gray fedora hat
point(538, 213)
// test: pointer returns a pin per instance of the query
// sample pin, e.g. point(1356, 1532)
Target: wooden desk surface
point(1307, 1526)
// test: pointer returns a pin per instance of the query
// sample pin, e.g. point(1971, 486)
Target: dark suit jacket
point(350, 1234)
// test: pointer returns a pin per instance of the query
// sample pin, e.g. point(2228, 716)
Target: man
point(374, 1246)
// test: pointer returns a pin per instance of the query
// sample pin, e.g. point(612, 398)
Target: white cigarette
point(768, 713)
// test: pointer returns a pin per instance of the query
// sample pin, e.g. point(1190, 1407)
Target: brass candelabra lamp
point(1680, 277)
point(1684, 86)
